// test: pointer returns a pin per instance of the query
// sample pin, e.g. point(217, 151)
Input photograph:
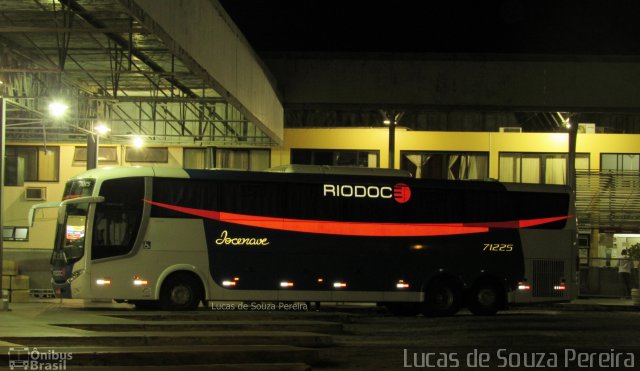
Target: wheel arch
point(490, 277)
point(444, 276)
point(181, 269)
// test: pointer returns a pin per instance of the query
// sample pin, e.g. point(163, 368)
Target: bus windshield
point(70, 236)
point(78, 188)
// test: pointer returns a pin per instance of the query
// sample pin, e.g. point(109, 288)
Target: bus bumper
point(61, 290)
point(76, 289)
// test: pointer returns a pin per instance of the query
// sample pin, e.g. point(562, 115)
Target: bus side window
point(113, 229)
point(118, 218)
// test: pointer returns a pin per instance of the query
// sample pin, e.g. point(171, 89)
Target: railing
point(608, 200)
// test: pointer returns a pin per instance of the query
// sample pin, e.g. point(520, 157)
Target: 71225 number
point(498, 247)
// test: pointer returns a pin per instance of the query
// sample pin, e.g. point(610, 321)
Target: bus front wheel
point(442, 298)
point(180, 292)
point(485, 298)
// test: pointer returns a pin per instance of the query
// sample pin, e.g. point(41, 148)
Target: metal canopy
point(103, 63)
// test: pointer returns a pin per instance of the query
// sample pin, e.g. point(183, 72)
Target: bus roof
point(312, 173)
point(110, 172)
point(338, 170)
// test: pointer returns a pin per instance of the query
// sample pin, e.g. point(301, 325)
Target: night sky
point(446, 26)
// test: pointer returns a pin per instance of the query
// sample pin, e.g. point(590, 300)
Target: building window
point(242, 159)
point(620, 162)
point(15, 233)
point(106, 155)
point(41, 164)
point(334, 157)
point(196, 158)
point(445, 165)
point(147, 154)
point(538, 168)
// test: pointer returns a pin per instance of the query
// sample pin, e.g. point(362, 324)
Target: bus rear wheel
point(180, 292)
point(485, 298)
point(442, 298)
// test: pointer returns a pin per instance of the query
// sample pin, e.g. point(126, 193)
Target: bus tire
point(181, 292)
point(486, 297)
point(403, 309)
point(442, 298)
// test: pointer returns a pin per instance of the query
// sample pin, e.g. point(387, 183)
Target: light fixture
point(57, 109)
point(138, 142)
point(102, 129)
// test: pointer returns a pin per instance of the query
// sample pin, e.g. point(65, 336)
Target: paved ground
point(95, 336)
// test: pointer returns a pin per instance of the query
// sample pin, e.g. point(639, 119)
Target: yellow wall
point(41, 235)
point(494, 143)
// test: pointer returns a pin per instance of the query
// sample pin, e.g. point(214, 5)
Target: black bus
point(178, 237)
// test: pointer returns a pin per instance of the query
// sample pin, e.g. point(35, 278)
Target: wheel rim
point(443, 298)
point(487, 297)
point(181, 295)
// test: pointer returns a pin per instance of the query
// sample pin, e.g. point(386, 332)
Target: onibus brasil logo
point(24, 358)
point(399, 192)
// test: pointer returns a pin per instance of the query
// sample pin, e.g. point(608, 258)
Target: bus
point(173, 238)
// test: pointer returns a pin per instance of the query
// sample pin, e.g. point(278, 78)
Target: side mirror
point(35, 207)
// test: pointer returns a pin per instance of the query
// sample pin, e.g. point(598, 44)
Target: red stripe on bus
point(355, 228)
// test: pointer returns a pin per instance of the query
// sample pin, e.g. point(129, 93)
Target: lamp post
point(391, 118)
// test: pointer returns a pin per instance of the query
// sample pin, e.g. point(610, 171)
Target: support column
point(4, 305)
point(571, 165)
point(392, 140)
point(571, 182)
point(92, 151)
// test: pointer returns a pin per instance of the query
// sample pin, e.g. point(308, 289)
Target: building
point(144, 74)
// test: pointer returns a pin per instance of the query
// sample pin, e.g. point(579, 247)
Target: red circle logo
point(401, 193)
